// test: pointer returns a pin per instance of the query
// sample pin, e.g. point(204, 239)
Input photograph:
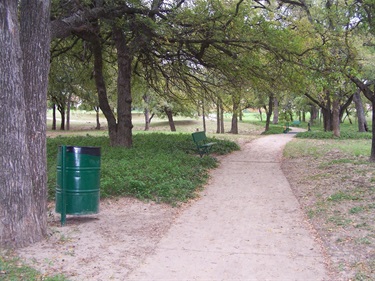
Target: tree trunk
point(68, 112)
point(313, 114)
point(203, 118)
point(260, 114)
point(169, 114)
point(327, 111)
point(146, 114)
point(234, 123)
point(124, 98)
point(23, 79)
point(336, 117)
point(372, 156)
point(119, 133)
point(146, 111)
point(327, 119)
point(96, 48)
point(275, 111)
point(269, 112)
point(218, 116)
point(54, 117)
point(62, 114)
point(362, 123)
point(370, 95)
point(97, 110)
point(222, 129)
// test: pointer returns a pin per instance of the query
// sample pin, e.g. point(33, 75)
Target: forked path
point(248, 225)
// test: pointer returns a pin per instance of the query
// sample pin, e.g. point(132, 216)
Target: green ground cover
point(159, 167)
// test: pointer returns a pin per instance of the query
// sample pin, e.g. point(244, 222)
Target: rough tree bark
point(370, 95)
point(236, 106)
point(362, 123)
point(169, 114)
point(24, 61)
point(314, 112)
point(124, 97)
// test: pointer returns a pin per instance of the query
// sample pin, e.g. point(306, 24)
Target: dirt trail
point(247, 225)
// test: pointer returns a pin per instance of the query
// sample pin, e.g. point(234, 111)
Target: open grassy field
point(84, 122)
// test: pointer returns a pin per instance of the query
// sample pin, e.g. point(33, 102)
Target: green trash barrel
point(81, 181)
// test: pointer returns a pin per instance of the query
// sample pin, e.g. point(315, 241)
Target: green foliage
point(329, 135)
point(11, 268)
point(347, 131)
point(274, 129)
point(159, 167)
point(340, 195)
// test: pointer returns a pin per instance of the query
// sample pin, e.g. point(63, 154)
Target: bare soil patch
point(337, 192)
point(106, 246)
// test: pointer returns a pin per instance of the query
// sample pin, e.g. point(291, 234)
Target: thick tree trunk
point(370, 95)
point(314, 112)
point(23, 83)
point(124, 99)
point(116, 139)
point(327, 119)
point(234, 123)
point(275, 111)
point(336, 117)
point(35, 29)
point(169, 114)
point(362, 123)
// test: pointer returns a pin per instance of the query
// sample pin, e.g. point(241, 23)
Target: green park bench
point(296, 123)
point(200, 141)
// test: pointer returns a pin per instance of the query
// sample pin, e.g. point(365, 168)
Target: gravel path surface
point(247, 226)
